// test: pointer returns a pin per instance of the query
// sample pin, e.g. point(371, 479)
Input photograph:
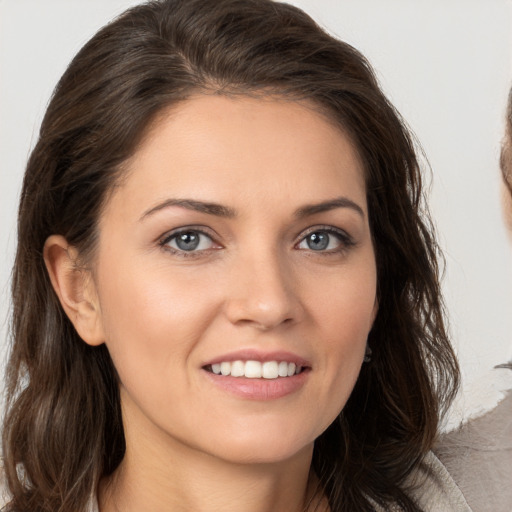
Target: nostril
point(262, 303)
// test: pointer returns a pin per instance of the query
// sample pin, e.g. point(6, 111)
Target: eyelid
point(164, 240)
point(183, 229)
point(346, 239)
point(325, 227)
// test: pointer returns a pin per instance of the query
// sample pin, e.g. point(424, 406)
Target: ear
point(75, 289)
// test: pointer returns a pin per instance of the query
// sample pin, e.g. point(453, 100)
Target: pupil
point(318, 241)
point(187, 241)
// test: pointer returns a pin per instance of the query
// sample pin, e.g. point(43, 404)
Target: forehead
point(238, 148)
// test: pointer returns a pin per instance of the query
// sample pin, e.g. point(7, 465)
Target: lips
point(255, 375)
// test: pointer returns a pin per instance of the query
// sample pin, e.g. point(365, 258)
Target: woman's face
point(237, 243)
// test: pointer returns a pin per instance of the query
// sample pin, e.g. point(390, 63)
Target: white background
point(445, 64)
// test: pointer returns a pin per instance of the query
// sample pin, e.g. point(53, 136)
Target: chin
point(271, 453)
point(261, 446)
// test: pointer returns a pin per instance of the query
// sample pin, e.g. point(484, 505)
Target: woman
point(226, 289)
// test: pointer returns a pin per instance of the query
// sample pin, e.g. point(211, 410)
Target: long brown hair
point(63, 428)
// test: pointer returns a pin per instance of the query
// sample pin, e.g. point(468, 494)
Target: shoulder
point(5, 496)
point(478, 456)
point(433, 488)
point(4, 493)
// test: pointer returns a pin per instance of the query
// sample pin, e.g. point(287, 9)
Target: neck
point(206, 484)
point(160, 474)
point(207, 487)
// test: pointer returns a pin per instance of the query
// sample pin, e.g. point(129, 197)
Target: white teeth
point(256, 369)
point(253, 369)
point(270, 370)
point(283, 369)
point(237, 369)
point(225, 368)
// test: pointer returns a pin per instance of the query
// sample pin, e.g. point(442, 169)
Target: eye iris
point(187, 241)
point(318, 241)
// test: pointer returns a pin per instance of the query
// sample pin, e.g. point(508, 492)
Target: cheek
point(345, 332)
point(152, 319)
point(344, 315)
point(345, 305)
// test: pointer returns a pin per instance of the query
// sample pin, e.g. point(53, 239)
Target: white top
point(434, 490)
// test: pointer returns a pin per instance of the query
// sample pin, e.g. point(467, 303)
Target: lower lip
point(259, 389)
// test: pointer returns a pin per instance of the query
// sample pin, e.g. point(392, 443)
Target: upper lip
point(261, 356)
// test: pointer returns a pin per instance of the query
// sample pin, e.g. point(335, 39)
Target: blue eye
point(318, 241)
point(325, 240)
point(189, 241)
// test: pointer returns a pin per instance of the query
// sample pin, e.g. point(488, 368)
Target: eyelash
point(167, 238)
point(346, 241)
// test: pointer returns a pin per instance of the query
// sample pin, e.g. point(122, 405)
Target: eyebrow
point(325, 206)
point(191, 204)
point(219, 210)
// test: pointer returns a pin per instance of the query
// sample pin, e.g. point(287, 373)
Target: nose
point(263, 293)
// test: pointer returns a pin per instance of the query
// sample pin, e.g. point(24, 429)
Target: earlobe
point(75, 289)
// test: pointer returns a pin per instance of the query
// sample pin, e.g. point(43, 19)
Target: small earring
point(367, 355)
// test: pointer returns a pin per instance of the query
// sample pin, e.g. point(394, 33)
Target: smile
point(255, 369)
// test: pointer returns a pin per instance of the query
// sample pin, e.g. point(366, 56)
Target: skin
point(254, 283)
point(506, 184)
point(506, 201)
